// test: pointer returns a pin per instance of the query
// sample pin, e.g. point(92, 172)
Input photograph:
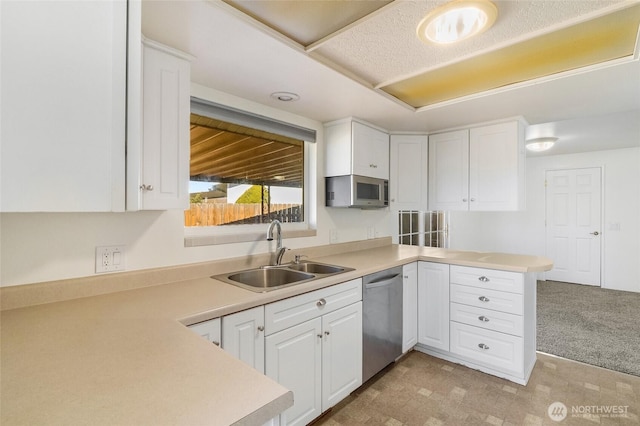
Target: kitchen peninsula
point(127, 357)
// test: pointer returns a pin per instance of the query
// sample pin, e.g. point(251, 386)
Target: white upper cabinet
point(158, 161)
point(481, 169)
point(497, 167)
point(408, 172)
point(353, 147)
point(449, 171)
point(63, 105)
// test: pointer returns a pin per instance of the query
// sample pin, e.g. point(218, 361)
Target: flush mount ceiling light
point(540, 144)
point(285, 96)
point(457, 21)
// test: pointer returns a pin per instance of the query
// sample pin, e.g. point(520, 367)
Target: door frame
point(602, 213)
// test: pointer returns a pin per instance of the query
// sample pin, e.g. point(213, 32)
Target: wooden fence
point(211, 214)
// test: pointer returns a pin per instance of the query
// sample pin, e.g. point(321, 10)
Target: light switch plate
point(110, 259)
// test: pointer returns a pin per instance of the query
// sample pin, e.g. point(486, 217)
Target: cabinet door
point(63, 106)
point(294, 359)
point(408, 172)
point(210, 330)
point(496, 167)
point(243, 336)
point(163, 181)
point(449, 171)
point(433, 305)
point(409, 306)
point(370, 152)
point(341, 354)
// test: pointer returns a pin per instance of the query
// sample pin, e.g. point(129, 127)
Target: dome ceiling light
point(285, 96)
point(540, 144)
point(457, 21)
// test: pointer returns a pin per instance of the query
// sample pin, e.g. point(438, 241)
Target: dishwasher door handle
point(381, 282)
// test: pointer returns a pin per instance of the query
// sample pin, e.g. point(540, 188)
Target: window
point(244, 169)
point(431, 231)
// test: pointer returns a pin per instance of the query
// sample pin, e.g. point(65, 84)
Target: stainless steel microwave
point(357, 192)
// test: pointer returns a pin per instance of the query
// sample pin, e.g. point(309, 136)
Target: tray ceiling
point(377, 45)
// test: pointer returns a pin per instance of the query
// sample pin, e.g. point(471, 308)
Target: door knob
point(594, 233)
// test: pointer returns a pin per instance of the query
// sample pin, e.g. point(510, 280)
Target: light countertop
point(127, 357)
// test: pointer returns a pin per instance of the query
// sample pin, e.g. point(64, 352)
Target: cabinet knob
point(483, 299)
point(473, 199)
point(464, 200)
point(319, 335)
point(483, 346)
point(483, 279)
point(216, 343)
point(321, 303)
point(483, 318)
point(373, 166)
point(596, 233)
point(326, 333)
point(146, 187)
point(261, 328)
point(405, 276)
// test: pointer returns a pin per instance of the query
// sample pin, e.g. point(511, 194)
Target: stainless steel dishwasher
point(382, 320)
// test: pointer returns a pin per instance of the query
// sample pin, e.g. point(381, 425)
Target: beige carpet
point(590, 324)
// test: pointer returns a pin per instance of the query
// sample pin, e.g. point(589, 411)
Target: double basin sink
point(269, 278)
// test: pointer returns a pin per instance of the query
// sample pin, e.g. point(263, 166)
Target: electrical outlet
point(110, 259)
point(371, 232)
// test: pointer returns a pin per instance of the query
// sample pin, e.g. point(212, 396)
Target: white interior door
point(573, 215)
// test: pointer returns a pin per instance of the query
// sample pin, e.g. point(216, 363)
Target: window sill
point(211, 240)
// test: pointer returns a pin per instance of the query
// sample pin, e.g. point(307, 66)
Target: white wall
point(38, 247)
point(524, 232)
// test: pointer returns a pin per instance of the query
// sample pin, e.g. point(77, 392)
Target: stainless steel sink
point(272, 278)
point(316, 268)
point(268, 279)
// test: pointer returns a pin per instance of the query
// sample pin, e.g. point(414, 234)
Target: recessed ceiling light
point(285, 96)
point(540, 144)
point(457, 21)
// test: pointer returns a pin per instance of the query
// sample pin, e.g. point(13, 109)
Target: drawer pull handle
point(321, 303)
point(483, 346)
point(261, 328)
point(483, 299)
point(483, 318)
point(484, 279)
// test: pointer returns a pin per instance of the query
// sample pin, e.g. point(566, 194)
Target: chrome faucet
point(279, 253)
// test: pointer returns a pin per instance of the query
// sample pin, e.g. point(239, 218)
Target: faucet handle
point(297, 258)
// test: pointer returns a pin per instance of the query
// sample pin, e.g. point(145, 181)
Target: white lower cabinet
point(210, 330)
point(409, 306)
point(433, 305)
point(318, 359)
point(294, 359)
point(490, 318)
point(243, 336)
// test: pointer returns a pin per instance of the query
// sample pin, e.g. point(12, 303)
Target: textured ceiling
point(398, 53)
point(240, 62)
point(530, 40)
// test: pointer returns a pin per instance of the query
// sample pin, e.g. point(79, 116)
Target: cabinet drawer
point(496, 350)
point(289, 312)
point(491, 279)
point(488, 299)
point(488, 319)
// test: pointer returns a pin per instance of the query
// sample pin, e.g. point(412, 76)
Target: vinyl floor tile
point(422, 390)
